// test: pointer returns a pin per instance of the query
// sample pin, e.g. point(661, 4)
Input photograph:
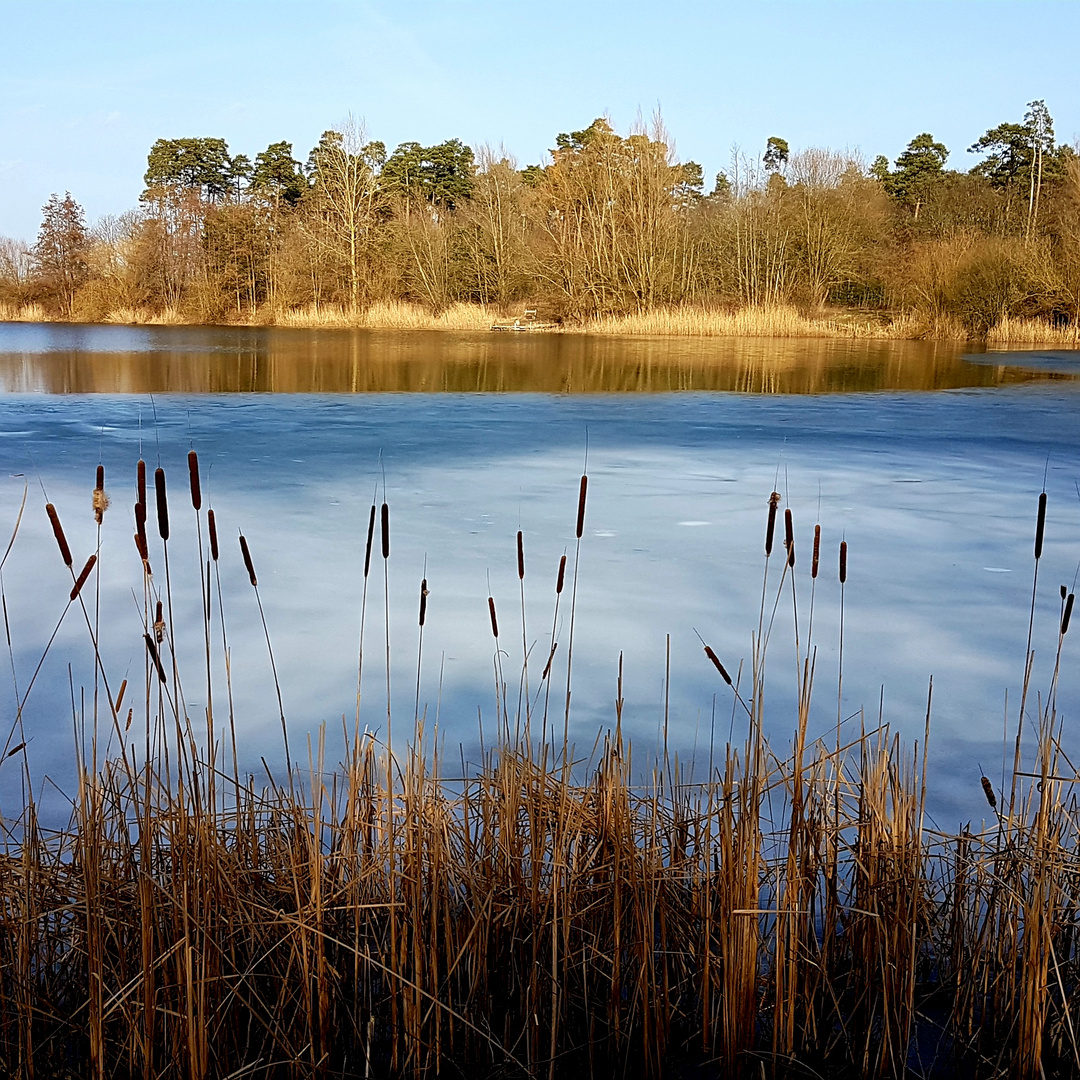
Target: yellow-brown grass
point(1034, 332)
point(387, 315)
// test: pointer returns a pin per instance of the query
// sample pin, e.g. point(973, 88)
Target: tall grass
point(767, 321)
point(387, 315)
point(542, 915)
point(1010, 331)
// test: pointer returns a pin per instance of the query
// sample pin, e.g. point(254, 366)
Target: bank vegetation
point(612, 234)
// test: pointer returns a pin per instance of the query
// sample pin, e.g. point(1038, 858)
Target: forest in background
point(611, 227)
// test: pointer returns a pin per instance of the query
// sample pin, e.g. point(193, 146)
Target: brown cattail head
point(988, 791)
point(791, 555)
point(581, 505)
point(58, 532)
point(370, 536)
point(140, 517)
point(247, 561)
point(80, 581)
point(770, 528)
point(385, 531)
point(817, 551)
point(551, 656)
point(494, 621)
point(151, 648)
point(843, 561)
point(211, 522)
point(99, 482)
point(716, 664)
point(423, 600)
point(1067, 614)
point(193, 473)
point(1040, 525)
point(789, 528)
point(521, 557)
point(140, 545)
point(140, 481)
point(120, 696)
point(561, 579)
point(159, 624)
point(162, 504)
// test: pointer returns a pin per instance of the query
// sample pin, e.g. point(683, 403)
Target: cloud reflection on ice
point(464, 473)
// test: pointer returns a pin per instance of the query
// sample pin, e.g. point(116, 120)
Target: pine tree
point(59, 256)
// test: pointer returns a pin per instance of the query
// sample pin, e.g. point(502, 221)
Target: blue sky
point(85, 88)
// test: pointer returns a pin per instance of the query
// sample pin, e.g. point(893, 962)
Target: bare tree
point(345, 200)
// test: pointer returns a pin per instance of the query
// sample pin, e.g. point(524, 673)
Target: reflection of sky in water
point(935, 495)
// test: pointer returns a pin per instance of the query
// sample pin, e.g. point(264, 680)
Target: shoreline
point(781, 323)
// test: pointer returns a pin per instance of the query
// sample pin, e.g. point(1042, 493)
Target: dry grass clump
point(22, 313)
point(542, 915)
point(777, 321)
point(1010, 331)
point(387, 315)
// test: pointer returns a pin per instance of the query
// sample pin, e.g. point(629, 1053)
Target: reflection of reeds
point(790, 915)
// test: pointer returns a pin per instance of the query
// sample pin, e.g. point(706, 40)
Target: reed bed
point(387, 315)
point(770, 321)
point(543, 914)
point(1012, 331)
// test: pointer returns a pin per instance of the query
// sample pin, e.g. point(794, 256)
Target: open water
point(927, 462)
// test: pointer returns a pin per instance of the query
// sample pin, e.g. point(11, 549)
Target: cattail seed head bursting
point(1040, 525)
point(58, 532)
point(100, 501)
point(162, 504)
point(100, 504)
point(193, 474)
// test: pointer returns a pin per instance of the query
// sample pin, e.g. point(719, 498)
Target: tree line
point(611, 224)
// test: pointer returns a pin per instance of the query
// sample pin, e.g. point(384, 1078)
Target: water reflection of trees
point(286, 361)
